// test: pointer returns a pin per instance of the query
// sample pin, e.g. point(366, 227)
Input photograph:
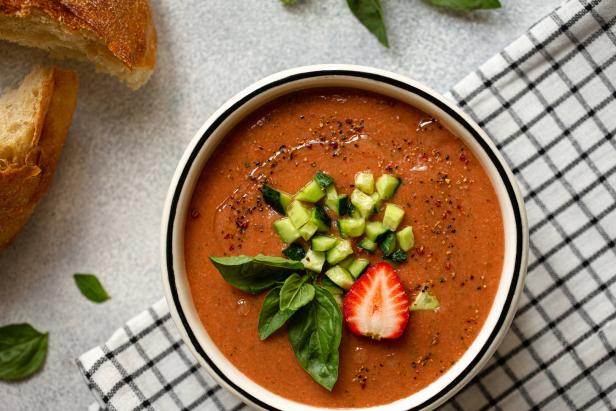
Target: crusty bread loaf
point(118, 36)
point(34, 121)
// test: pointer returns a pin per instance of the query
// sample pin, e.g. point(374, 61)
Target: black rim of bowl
point(371, 76)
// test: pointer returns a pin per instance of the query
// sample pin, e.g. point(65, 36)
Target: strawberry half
point(376, 306)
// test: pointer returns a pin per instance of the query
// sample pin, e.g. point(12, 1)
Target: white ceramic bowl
point(214, 131)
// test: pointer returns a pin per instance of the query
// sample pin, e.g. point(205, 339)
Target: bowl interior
point(407, 91)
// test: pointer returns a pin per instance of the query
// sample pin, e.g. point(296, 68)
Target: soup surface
point(449, 201)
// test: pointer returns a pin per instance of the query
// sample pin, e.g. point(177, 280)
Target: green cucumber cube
point(388, 245)
point(351, 227)
point(341, 251)
point(311, 192)
point(323, 243)
point(298, 213)
point(321, 219)
point(346, 263)
point(331, 193)
point(362, 202)
point(308, 230)
point(314, 260)
point(367, 244)
point(340, 276)
point(278, 200)
point(376, 197)
point(330, 286)
point(406, 239)
point(393, 216)
point(358, 267)
point(365, 182)
point(286, 230)
point(386, 186)
point(425, 300)
point(374, 230)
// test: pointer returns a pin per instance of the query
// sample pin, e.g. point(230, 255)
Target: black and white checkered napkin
point(549, 102)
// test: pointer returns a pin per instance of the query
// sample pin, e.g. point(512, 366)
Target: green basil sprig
point(467, 5)
point(370, 14)
point(311, 311)
point(315, 333)
point(255, 274)
point(91, 287)
point(22, 351)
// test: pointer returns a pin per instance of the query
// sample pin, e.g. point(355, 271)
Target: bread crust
point(125, 27)
point(22, 186)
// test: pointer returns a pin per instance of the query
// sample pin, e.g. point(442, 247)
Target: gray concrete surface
point(102, 214)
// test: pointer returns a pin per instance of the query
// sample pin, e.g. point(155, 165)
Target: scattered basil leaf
point(272, 198)
point(271, 318)
point(370, 14)
point(398, 256)
point(22, 351)
point(425, 300)
point(331, 286)
point(294, 252)
point(255, 274)
point(324, 180)
point(91, 287)
point(314, 333)
point(295, 293)
point(467, 4)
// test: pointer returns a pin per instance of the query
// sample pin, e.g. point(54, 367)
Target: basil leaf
point(91, 287)
point(467, 4)
point(295, 293)
point(314, 333)
point(324, 180)
point(255, 274)
point(295, 252)
point(398, 256)
point(271, 317)
point(370, 14)
point(425, 300)
point(22, 351)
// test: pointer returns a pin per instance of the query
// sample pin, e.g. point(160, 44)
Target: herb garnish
point(22, 351)
point(91, 287)
point(370, 12)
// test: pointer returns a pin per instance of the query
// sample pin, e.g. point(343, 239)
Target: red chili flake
point(194, 213)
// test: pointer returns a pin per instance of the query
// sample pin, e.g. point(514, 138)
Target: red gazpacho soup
point(343, 248)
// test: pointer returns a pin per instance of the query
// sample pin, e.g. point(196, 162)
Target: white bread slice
point(34, 121)
point(118, 36)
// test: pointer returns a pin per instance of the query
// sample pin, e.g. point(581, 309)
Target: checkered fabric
point(549, 102)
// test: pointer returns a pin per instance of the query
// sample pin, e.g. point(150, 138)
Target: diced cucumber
point(393, 216)
point(398, 256)
point(351, 227)
point(388, 245)
point(365, 182)
point(339, 205)
point(425, 300)
point(406, 239)
point(294, 252)
point(278, 200)
point(367, 245)
point(308, 230)
point(323, 243)
point(286, 230)
point(376, 197)
point(346, 263)
point(362, 202)
point(321, 219)
point(340, 276)
point(324, 180)
point(358, 267)
point(314, 260)
point(374, 230)
point(331, 193)
point(386, 186)
point(341, 251)
point(330, 286)
point(311, 192)
point(298, 213)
